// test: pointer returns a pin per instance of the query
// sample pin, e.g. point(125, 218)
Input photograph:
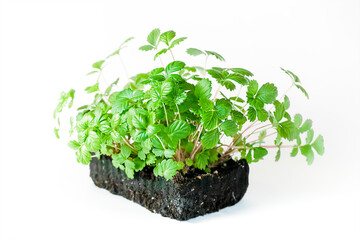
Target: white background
point(49, 46)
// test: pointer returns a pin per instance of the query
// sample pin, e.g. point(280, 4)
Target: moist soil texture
point(185, 196)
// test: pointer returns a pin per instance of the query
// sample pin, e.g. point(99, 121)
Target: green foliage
point(174, 118)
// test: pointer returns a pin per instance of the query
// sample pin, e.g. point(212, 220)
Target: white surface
point(48, 46)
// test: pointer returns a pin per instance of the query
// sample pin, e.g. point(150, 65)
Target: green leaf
point(166, 168)
point(310, 136)
point(83, 155)
point(297, 120)
point(286, 102)
point(279, 111)
point(174, 67)
point(93, 88)
point(210, 139)
point(139, 121)
point(194, 52)
point(252, 89)
point(166, 37)
point(238, 117)
point(306, 126)
point(215, 54)
point(98, 64)
point(262, 115)
point(215, 74)
point(203, 88)
point(277, 156)
point(153, 129)
point(202, 160)
point(118, 160)
point(92, 142)
point(308, 153)
point(287, 130)
point(259, 153)
point(294, 151)
point(129, 169)
point(223, 108)
point(146, 48)
point(302, 90)
point(150, 159)
point(318, 145)
point(189, 162)
point(238, 78)
point(251, 114)
point(153, 37)
point(177, 41)
point(139, 164)
point(158, 152)
point(292, 75)
point(209, 120)
point(242, 71)
point(178, 129)
point(74, 145)
point(267, 93)
point(162, 51)
point(166, 88)
point(168, 153)
point(56, 131)
point(125, 151)
point(229, 128)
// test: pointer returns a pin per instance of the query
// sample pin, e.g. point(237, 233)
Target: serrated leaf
point(294, 151)
point(287, 130)
point(279, 111)
point(308, 153)
point(146, 48)
point(177, 41)
point(166, 88)
point(240, 79)
point(166, 168)
point(168, 153)
point(129, 168)
point(93, 88)
point(83, 155)
point(305, 126)
point(251, 114)
point(310, 136)
point(209, 120)
point(125, 151)
point(223, 108)
point(259, 153)
point(242, 71)
point(194, 52)
point(139, 121)
point(74, 144)
point(297, 120)
point(252, 89)
point(178, 129)
point(286, 102)
point(292, 75)
point(202, 160)
point(203, 88)
point(229, 128)
point(267, 93)
point(153, 37)
point(166, 37)
point(153, 129)
point(216, 55)
point(92, 142)
point(174, 67)
point(215, 74)
point(302, 90)
point(318, 145)
point(262, 114)
point(162, 51)
point(210, 139)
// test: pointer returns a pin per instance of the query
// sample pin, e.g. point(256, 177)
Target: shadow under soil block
point(185, 196)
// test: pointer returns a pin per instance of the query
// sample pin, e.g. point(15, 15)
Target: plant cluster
point(168, 118)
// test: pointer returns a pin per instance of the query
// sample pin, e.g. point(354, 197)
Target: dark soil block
point(185, 196)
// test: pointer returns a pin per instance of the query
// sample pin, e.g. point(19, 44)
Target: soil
point(185, 196)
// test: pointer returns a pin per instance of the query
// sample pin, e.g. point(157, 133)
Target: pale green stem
point(167, 121)
point(162, 144)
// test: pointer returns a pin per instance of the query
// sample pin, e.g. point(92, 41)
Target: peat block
point(185, 196)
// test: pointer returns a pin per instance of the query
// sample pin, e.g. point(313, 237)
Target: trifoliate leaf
point(308, 153)
point(153, 37)
point(174, 67)
point(194, 52)
point(229, 128)
point(178, 129)
point(306, 126)
point(202, 160)
point(318, 145)
point(210, 139)
point(267, 93)
point(203, 88)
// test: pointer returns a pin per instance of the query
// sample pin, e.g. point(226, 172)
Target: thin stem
point(249, 127)
point(196, 142)
point(263, 137)
point(124, 67)
point(161, 62)
point(167, 121)
point(267, 125)
point(129, 144)
point(162, 144)
point(172, 55)
point(216, 93)
point(283, 95)
point(276, 146)
point(178, 111)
